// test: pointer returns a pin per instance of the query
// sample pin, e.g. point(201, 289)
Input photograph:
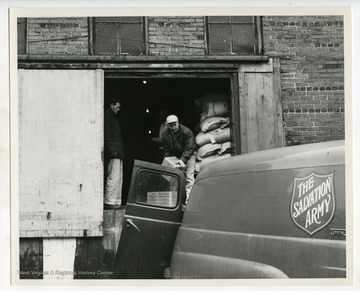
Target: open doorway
point(143, 100)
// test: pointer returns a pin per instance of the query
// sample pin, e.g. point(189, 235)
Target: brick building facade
point(310, 48)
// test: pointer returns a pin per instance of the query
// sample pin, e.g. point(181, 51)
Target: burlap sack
point(214, 123)
point(207, 150)
point(215, 136)
point(225, 148)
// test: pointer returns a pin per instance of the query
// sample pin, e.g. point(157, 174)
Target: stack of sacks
point(214, 138)
point(213, 145)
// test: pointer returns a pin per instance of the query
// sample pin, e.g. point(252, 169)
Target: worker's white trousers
point(189, 176)
point(114, 182)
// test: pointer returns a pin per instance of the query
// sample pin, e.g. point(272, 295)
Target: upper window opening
point(21, 35)
point(119, 35)
point(232, 35)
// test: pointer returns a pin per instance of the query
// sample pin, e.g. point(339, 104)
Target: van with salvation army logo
point(278, 213)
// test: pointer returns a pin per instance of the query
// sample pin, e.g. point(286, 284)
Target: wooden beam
point(129, 67)
point(147, 59)
point(139, 75)
point(263, 67)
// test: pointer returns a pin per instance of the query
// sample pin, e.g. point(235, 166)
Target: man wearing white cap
point(179, 141)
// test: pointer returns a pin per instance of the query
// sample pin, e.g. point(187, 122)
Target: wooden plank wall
point(31, 258)
point(260, 110)
point(261, 118)
point(60, 148)
point(77, 258)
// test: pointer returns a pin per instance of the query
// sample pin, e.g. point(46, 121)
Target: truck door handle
point(130, 222)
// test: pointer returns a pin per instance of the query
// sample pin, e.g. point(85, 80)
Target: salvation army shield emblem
point(313, 202)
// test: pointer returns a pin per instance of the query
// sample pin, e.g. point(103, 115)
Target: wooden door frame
point(231, 74)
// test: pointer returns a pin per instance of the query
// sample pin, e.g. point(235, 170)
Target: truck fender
point(201, 266)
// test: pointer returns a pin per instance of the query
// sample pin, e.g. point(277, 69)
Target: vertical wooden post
point(95, 256)
point(278, 109)
point(91, 21)
point(235, 111)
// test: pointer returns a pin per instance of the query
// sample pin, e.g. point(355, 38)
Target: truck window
point(156, 189)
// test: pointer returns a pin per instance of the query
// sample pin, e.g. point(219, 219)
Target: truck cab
point(277, 213)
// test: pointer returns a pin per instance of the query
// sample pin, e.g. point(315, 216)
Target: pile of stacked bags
point(213, 139)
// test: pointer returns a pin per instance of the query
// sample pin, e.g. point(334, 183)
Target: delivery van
point(277, 213)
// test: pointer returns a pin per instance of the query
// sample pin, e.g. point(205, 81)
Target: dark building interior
point(142, 102)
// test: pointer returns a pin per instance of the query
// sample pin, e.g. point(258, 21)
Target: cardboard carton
point(171, 162)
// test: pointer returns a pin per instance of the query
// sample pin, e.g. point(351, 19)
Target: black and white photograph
point(181, 144)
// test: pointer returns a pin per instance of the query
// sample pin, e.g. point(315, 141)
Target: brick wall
point(310, 49)
point(167, 36)
point(66, 36)
point(312, 75)
point(176, 35)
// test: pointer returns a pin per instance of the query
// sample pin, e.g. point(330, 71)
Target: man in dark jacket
point(179, 141)
point(114, 155)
